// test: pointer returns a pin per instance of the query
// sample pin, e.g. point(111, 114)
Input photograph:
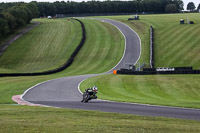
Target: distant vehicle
point(165, 69)
point(49, 17)
point(136, 17)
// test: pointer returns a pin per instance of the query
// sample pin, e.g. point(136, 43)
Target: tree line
point(191, 6)
point(15, 15)
point(134, 6)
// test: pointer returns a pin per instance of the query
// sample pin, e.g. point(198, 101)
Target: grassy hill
point(175, 44)
point(47, 46)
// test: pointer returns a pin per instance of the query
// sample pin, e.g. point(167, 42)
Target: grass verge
point(40, 119)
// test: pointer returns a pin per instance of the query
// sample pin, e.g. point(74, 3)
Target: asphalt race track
point(64, 93)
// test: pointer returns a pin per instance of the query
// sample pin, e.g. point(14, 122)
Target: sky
point(196, 2)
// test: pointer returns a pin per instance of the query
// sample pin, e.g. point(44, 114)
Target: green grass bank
point(169, 90)
point(45, 47)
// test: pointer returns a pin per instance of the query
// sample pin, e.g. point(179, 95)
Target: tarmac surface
point(64, 93)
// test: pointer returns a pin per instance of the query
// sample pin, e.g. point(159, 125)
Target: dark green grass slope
point(45, 47)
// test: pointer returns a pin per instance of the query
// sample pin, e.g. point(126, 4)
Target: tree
point(19, 15)
point(33, 8)
point(14, 15)
point(171, 8)
point(3, 27)
point(11, 21)
point(191, 6)
point(198, 8)
point(179, 4)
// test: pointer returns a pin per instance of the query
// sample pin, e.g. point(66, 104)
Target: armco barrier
point(151, 47)
point(64, 66)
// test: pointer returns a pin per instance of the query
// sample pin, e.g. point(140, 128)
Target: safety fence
point(61, 68)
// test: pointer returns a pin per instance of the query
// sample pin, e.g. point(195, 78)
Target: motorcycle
point(88, 95)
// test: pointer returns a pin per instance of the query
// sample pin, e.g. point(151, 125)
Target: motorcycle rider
point(94, 89)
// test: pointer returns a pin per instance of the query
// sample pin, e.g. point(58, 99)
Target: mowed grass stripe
point(61, 50)
point(184, 50)
point(171, 38)
point(170, 49)
point(170, 90)
point(46, 47)
point(193, 50)
point(95, 53)
point(107, 40)
point(90, 49)
point(173, 47)
point(102, 50)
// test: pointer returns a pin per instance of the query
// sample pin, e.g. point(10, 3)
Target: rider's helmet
point(94, 88)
